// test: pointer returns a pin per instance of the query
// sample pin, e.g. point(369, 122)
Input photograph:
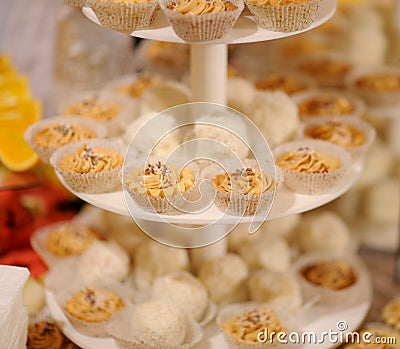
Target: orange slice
point(20, 117)
point(15, 152)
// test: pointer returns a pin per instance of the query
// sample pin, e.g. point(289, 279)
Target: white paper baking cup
point(209, 26)
point(235, 309)
point(122, 331)
point(162, 204)
point(91, 183)
point(284, 18)
point(374, 98)
point(116, 125)
point(38, 242)
point(358, 104)
point(314, 183)
point(45, 153)
point(364, 127)
point(95, 329)
point(248, 205)
point(209, 314)
point(323, 294)
point(124, 16)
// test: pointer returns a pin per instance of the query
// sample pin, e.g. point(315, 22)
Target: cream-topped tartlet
point(199, 7)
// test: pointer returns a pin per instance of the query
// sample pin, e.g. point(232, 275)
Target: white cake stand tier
point(286, 203)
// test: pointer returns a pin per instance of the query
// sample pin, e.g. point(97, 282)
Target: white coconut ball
point(324, 232)
point(104, 261)
point(280, 226)
point(378, 165)
point(264, 251)
point(229, 138)
point(224, 277)
point(183, 290)
point(282, 289)
point(383, 201)
point(159, 322)
point(152, 259)
point(240, 94)
point(276, 115)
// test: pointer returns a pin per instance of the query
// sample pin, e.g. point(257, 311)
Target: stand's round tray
point(318, 319)
point(286, 203)
point(245, 30)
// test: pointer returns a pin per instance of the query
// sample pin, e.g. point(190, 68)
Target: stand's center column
point(208, 72)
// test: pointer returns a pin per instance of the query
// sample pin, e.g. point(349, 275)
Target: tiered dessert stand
point(209, 61)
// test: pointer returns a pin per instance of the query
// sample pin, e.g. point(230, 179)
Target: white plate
point(245, 30)
point(286, 203)
point(317, 319)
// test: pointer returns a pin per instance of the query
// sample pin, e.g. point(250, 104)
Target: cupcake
point(312, 104)
point(91, 166)
point(200, 20)
point(355, 136)
point(391, 313)
point(76, 3)
point(379, 87)
point(286, 82)
point(245, 191)
point(159, 187)
point(241, 325)
point(327, 70)
point(90, 308)
point(125, 16)
point(312, 167)
point(111, 110)
point(46, 335)
point(58, 241)
point(47, 135)
point(155, 325)
point(329, 279)
point(284, 15)
point(186, 292)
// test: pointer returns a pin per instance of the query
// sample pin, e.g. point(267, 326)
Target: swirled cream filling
point(308, 160)
point(199, 7)
point(326, 105)
point(337, 133)
point(94, 107)
point(60, 134)
point(379, 82)
point(247, 326)
point(244, 181)
point(94, 304)
point(44, 335)
point(91, 160)
point(281, 82)
point(160, 180)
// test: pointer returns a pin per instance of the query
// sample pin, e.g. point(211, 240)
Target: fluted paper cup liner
point(375, 97)
point(90, 328)
point(209, 26)
point(45, 153)
point(39, 238)
point(322, 294)
point(127, 338)
point(209, 314)
point(129, 110)
point(314, 183)
point(76, 3)
point(356, 152)
point(162, 204)
point(358, 105)
point(284, 18)
point(235, 309)
point(91, 183)
point(124, 16)
point(250, 204)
